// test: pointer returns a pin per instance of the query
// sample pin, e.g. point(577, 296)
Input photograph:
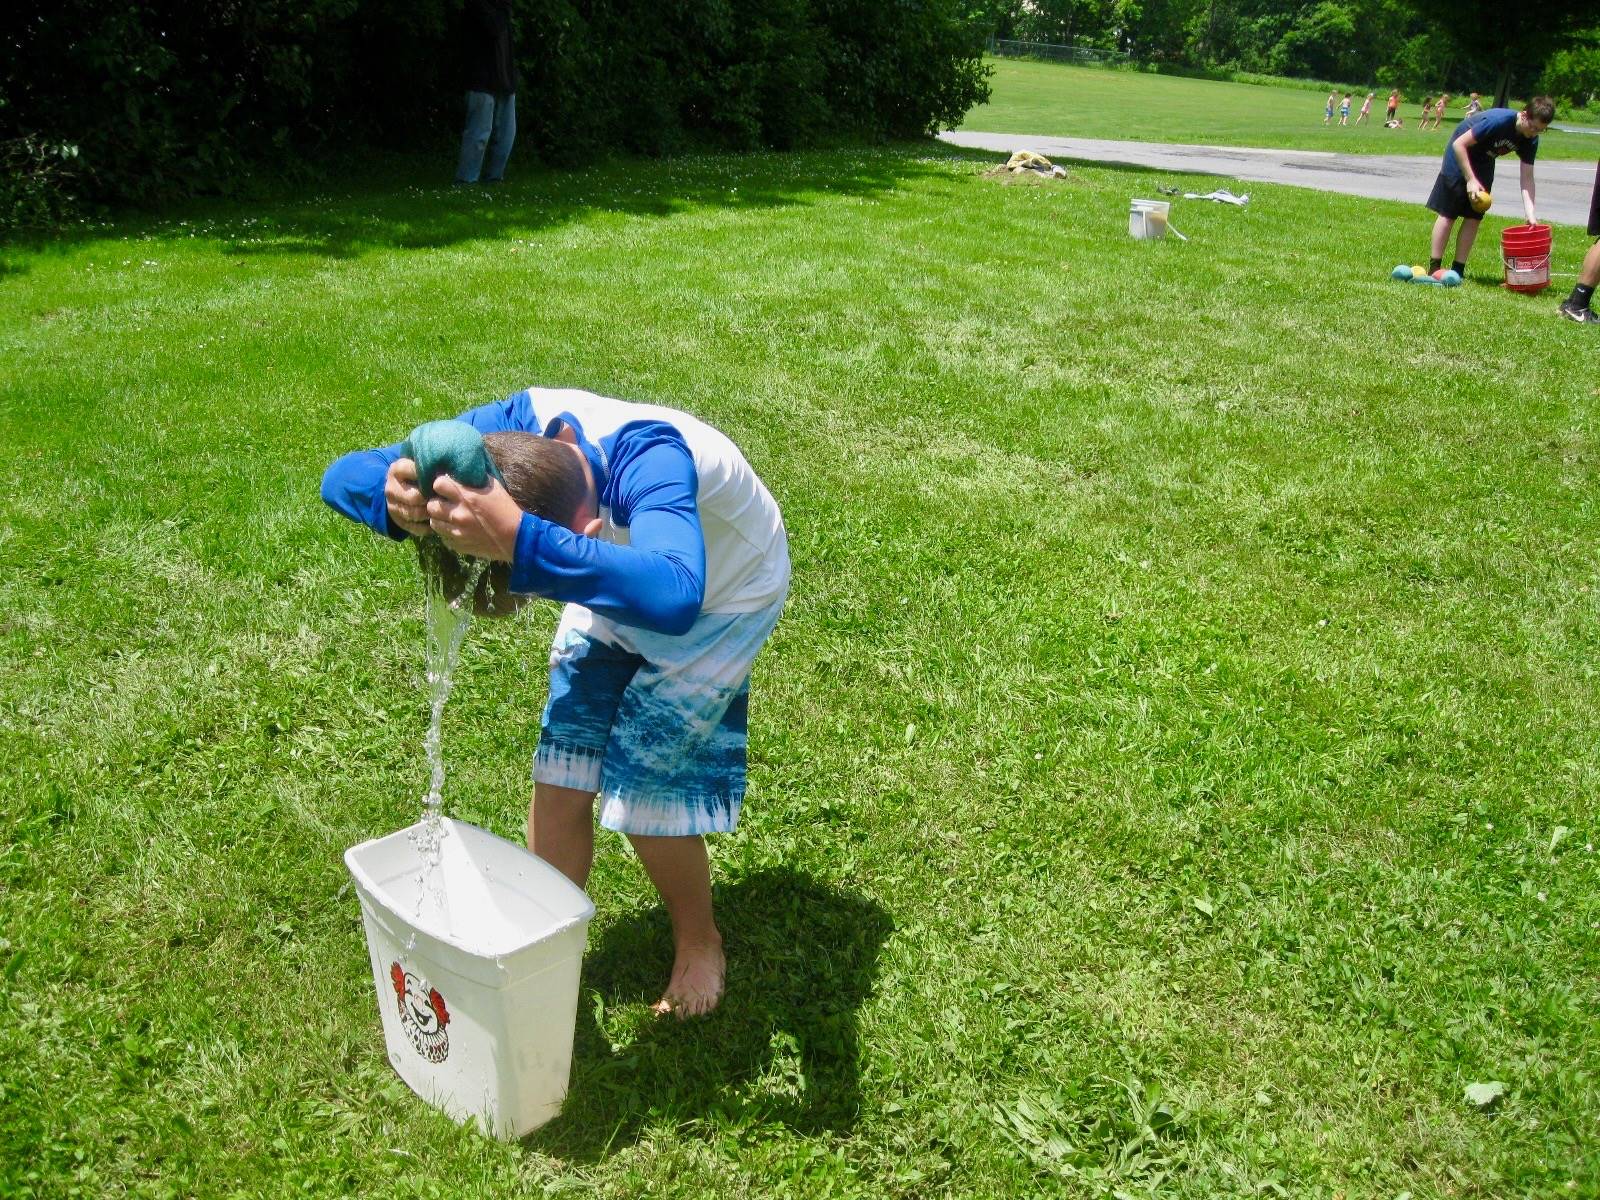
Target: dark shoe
point(1583, 316)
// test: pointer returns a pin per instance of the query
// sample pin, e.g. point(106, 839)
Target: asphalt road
point(1562, 188)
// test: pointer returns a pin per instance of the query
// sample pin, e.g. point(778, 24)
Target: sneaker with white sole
point(1583, 316)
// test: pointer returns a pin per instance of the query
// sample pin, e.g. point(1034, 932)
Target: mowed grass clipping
point(1056, 100)
point(1174, 774)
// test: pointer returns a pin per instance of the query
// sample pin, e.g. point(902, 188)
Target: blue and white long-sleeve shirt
point(687, 526)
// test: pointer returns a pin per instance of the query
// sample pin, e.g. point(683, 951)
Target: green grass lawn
point(1056, 100)
point(1174, 775)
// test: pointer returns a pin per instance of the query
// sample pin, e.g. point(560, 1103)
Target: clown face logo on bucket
point(423, 1014)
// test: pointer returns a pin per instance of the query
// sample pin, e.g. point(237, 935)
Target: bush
point(37, 183)
point(1321, 42)
point(1573, 77)
point(170, 97)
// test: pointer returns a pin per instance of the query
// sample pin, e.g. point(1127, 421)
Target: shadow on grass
point(405, 203)
point(781, 1049)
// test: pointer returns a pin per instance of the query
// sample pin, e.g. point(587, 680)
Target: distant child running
point(1344, 110)
point(1366, 109)
point(1475, 105)
point(1438, 109)
point(1427, 111)
point(1467, 172)
point(1327, 111)
point(1578, 306)
point(1394, 107)
point(671, 559)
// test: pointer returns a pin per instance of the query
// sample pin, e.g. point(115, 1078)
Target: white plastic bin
point(479, 1000)
point(1148, 218)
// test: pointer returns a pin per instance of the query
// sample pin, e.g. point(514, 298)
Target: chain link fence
point(1006, 48)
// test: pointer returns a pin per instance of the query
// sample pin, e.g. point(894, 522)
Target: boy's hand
point(408, 507)
point(482, 522)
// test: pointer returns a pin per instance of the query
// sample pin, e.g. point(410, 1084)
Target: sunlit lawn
point(1174, 775)
point(1055, 100)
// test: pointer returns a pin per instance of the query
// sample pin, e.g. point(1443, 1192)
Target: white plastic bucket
point(479, 1000)
point(1148, 218)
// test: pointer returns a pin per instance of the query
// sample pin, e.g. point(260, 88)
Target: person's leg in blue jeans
point(475, 136)
point(505, 133)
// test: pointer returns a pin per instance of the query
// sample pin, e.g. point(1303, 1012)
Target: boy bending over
point(1468, 172)
point(671, 558)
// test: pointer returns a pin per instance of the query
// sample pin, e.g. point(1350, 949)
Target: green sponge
point(451, 448)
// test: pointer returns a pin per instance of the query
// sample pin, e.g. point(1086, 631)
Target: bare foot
point(697, 981)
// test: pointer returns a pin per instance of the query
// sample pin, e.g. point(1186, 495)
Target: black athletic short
point(1594, 205)
point(1449, 197)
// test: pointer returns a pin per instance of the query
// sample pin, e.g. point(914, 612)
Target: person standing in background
point(490, 75)
point(1578, 307)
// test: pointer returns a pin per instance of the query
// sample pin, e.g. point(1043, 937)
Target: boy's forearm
point(657, 580)
point(353, 486)
point(658, 583)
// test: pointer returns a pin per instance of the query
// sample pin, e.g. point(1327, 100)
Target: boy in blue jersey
point(1468, 172)
point(673, 564)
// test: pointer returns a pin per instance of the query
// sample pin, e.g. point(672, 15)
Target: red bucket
point(1526, 251)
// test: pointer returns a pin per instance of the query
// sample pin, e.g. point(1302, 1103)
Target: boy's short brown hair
point(1541, 108)
point(546, 479)
point(543, 475)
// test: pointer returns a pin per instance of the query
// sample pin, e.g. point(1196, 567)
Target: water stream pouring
point(445, 625)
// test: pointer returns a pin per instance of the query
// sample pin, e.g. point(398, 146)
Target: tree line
point(1421, 45)
point(121, 100)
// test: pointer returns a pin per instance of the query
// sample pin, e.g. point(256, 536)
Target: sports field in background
point(1174, 776)
point(1057, 100)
